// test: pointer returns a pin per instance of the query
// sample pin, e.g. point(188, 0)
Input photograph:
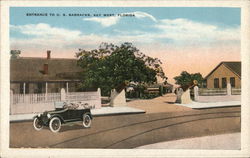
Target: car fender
point(88, 113)
point(56, 115)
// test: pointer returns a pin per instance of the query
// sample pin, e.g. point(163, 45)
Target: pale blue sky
point(184, 38)
point(221, 17)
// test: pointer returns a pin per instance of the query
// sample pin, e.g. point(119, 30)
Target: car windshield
point(71, 105)
point(59, 105)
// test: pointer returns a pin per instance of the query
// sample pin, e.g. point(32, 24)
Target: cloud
point(144, 15)
point(45, 30)
point(109, 21)
point(171, 32)
point(43, 35)
point(106, 22)
point(185, 31)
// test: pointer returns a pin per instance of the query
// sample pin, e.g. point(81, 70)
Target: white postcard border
point(4, 83)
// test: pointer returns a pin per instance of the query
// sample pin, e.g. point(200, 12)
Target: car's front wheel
point(37, 124)
point(86, 120)
point(55, 124)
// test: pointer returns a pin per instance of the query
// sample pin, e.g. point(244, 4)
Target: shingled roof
point(32, 70)
point(234, 66)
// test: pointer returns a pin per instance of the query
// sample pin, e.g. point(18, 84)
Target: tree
point(112, 66)
point(186, 79)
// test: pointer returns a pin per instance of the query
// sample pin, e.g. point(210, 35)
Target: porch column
point(46, 90)
point(11, 102)
point(67, 87)
point(24, 85)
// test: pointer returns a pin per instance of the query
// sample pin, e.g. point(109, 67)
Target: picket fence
point(218, 91)
point(209, 92)
point(216, 95)
point(54, 97)
point(35, 98)
point(30, 103)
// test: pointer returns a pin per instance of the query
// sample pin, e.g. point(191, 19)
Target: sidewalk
point(104, 111)
point(223, 142)
point(202, 105)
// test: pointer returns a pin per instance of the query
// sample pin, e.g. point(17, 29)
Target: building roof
point(234, 66)
point(25, 69)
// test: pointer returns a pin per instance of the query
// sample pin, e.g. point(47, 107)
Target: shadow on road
point(169, 102)
point(66, 128)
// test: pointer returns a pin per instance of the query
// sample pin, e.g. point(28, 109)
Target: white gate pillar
point(196, 93)
point(117, 99)
point(63, 94)
point(99, 99)
point(229, 89)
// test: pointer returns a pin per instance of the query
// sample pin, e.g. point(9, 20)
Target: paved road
point(129, 131)
point(229, 141)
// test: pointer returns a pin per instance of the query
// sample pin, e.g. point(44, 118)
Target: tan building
point(43, 75)
point(224, 73)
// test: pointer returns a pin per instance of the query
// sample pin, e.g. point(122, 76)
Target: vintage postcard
point(88, 79)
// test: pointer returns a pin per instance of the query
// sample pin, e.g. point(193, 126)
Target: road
point(129, 131)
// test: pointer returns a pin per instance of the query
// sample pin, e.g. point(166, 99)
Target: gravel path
point(160, 104)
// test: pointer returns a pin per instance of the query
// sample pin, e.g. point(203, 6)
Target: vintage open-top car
point(63, 113)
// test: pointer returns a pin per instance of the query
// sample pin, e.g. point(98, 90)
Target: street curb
point(93, 114)
point(217, 107)
point(114, 114)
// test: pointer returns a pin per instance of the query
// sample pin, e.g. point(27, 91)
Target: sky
point(193, 39)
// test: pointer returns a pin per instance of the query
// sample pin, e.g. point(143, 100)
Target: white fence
point(217, 95)
point(211, 92)
point(236, 91)
point(31, 103)
point(35, 98)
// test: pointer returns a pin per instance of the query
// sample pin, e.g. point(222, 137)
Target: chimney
point(48, 54)
point(46, 69)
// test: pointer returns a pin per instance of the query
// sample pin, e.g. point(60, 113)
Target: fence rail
point(75, 96)
point(53, 97)
point(211, 92)
point(35, 98)
point(236, 91)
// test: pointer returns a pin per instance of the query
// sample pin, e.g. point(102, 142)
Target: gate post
point(196, 93)
point(63, 94)
point(229, 89)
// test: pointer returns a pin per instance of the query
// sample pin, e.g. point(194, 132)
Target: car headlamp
point(48, 115)
point(39, 115)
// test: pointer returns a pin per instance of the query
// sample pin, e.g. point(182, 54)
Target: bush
point(149, 96)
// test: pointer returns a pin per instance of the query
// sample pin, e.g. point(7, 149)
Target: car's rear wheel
point(86, 120)
point(55, 124)
point(37, 124)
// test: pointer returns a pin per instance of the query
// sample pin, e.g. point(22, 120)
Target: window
point(232, 81)
point(22, 88)
point(224, 82)
point(27, 87)
point(39, 87)
point(216, 83)
point(204, 83)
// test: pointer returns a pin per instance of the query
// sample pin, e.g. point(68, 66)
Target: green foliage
point(186, 79)
point(112, 66)
point(149, 95)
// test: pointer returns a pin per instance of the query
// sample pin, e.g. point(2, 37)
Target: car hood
point(55, 111)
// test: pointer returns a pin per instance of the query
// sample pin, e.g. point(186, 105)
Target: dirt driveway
point(160, 104)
